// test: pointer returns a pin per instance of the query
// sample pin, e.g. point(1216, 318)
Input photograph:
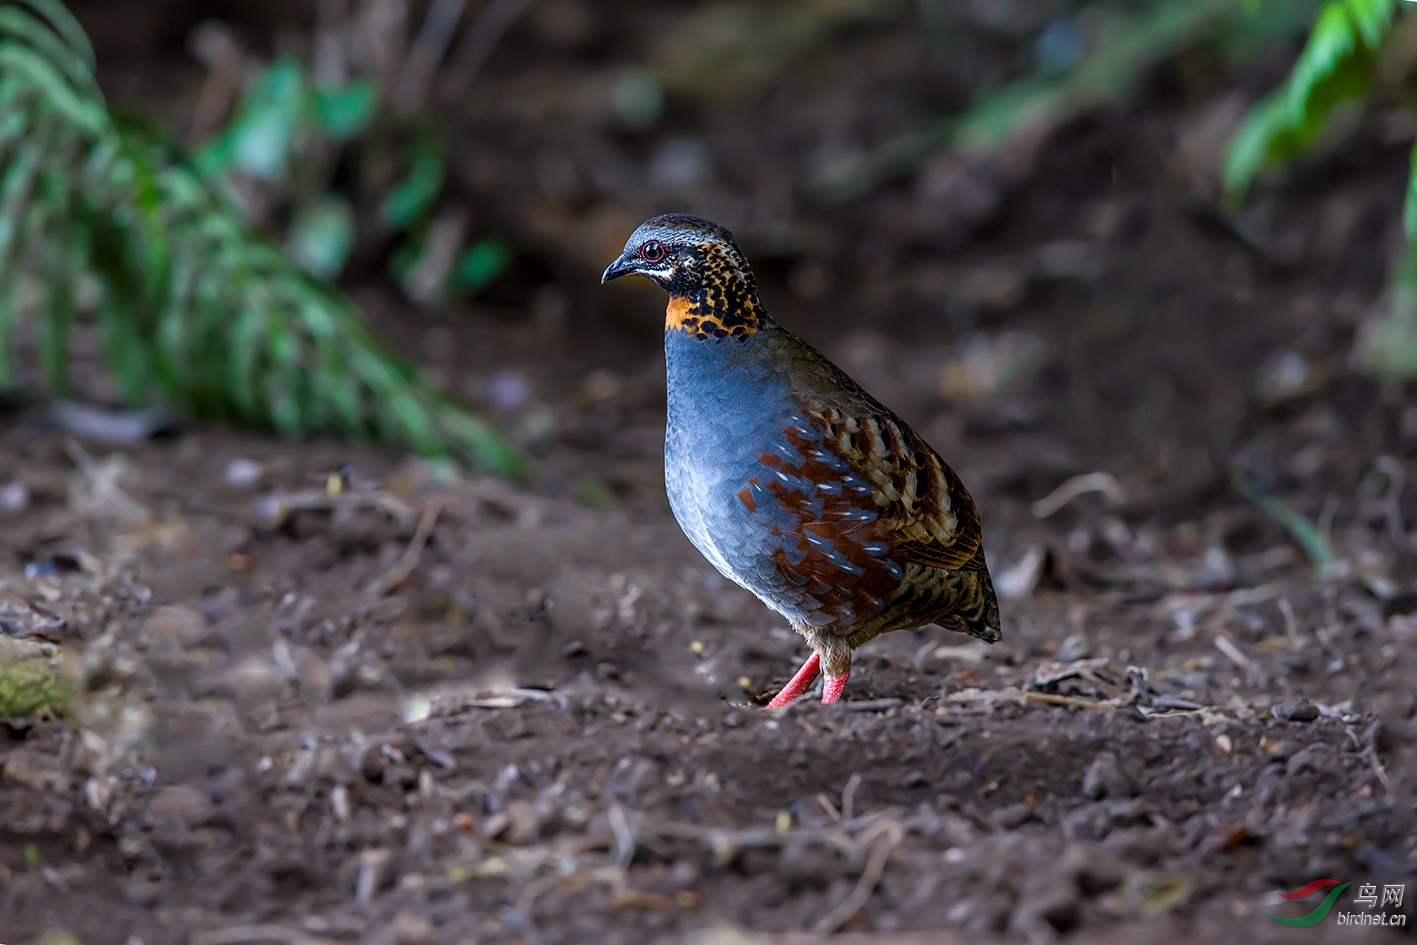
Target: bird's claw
point(798, 684)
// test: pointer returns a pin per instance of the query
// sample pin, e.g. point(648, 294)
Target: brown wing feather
point(924, 509)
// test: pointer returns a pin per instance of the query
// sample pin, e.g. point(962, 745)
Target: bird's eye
point(653, 251)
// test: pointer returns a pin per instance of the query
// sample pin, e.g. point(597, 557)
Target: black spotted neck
point(722, 302)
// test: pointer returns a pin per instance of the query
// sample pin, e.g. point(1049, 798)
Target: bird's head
point(711, 288)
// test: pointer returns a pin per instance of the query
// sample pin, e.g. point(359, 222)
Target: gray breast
point(723, 405)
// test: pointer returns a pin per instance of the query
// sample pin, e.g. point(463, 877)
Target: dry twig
point(404, 566)
point(1232, 652)
point(436, 34)
point(243, 934)
point(271, 511)
point(104, 491)
point(890, 833)
point(848, 796)
point(1054, 699)
point(1102, 482)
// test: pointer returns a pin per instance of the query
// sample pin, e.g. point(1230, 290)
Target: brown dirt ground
point(546, 732)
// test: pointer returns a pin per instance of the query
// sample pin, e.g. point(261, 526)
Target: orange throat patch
point(703, 322)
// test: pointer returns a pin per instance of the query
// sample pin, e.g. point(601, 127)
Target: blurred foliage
point(284, 147)
point(106, 219)
point(724, 49)
point(1336, 66)
point(33, 680)
point(1315, 545)
point(1341, 61)
point(1094, 57)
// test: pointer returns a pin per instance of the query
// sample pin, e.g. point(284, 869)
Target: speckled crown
point(713, 293)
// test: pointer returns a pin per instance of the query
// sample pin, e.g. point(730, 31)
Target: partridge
point(793, 481)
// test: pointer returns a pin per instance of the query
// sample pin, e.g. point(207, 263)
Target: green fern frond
point(1336, 66)
point(192, 306)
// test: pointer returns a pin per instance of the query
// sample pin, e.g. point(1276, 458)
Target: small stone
point(180, 624)
point(403, 776)
point(244, 473)
point(254, 680)
point(1281, 750)
point(1311, 758)
point(1012, 817)
point(14, 497)
point(142, 895)
point(412, 929)
point(802, 865)
point(1295, 710)
point(1098, 874)
point(1394, 734)
point(183, 805)
point(1105, 778)
point(1074, 648)
point(914, 779)
point(376, 870)
point(524, 824)
point(1089, 824)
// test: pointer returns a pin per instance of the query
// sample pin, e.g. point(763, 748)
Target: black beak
point(623, 266)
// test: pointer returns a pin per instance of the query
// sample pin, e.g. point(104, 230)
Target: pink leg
point(799, 683)
point(831, 689)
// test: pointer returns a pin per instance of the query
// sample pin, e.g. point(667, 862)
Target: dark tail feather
point(975, 607)
point(960, 600)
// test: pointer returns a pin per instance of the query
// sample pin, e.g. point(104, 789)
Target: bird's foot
point(832, 687)
point(798, 684)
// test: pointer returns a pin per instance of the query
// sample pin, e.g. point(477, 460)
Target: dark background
point(1185, 714)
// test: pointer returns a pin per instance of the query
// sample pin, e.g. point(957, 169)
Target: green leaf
point(1331, 41)
point(321, 236)
point(1131, 40)
point(1409, 205)
point(1386, 348)
point(16, 185)
point(281, 376)
point(1315, 545)
point(1336, 66)
point(1372, 18)
point(55, 258)
point(9, 321)
point(13, 121)
point(77, 70)
point(413, 417)
point(473, 439)
point(411, 198)
point(345, 112)
point(1250, 147)
point(247, 340)
point(66, 26)
point(46, 81)
point(483, 262)
point(259, 139)
point(192, 306)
